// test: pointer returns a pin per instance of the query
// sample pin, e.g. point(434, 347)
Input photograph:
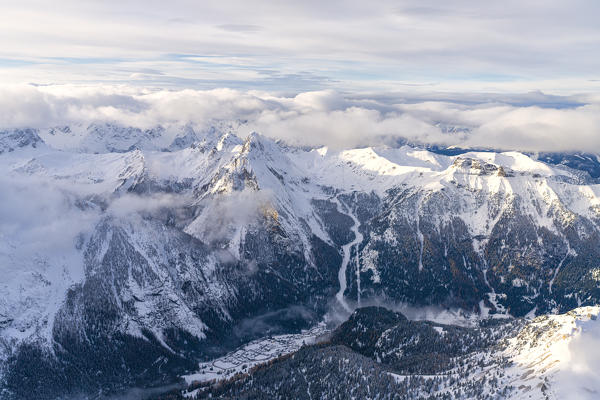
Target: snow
point(439, 330)
point(358, 238)
point(66, 164)
point(43, 229)
point(549, 357)
point(564, 355)
point(517, 162)
point(557, 270)
point(43, 225)
point(254, 353)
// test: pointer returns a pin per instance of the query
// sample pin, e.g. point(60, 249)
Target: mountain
point(129, 255)
point(11, 140)
point(379, 354)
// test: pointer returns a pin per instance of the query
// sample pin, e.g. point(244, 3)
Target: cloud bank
point(526, 122)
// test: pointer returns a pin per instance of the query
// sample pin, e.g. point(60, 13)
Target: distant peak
point(255, 137)
point(323, 151)
point(256, 141)
point(227, 139)
point(17, 138)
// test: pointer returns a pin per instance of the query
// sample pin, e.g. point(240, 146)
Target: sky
point(515, 75)
point(294, 46)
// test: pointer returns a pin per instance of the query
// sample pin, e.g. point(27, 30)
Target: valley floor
point(254, 353)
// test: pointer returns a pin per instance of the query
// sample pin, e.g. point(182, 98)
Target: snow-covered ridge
point(560, 353)
point(550, 357)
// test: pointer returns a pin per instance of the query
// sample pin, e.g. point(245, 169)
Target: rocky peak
point(13, 139)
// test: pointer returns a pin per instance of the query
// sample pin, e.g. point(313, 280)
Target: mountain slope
point(539, 359)
point(186, 244)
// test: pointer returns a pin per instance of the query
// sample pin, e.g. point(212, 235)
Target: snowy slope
point(549, 357)
point(181, 234)
point(560, 353)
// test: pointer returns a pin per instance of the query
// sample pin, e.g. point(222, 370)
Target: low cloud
point(132, 204)
point(40, 217)
point(578, 376)
point(223, 215)
point(441, 315)
point(528, 122)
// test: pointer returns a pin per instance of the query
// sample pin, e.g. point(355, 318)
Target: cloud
point(40, 217)
point(223, 215)
point(578, 376)
point(274, 322)
point(240, 27)
point(534, 128)
point(528, 122)
point(48, 217)
point(128, 204)
point(336, 44)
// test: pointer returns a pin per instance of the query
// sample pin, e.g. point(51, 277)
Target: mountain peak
point(13, 139)
point(256, 141)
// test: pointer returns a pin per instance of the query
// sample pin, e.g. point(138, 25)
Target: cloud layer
point(299, 46)
point(531, 122)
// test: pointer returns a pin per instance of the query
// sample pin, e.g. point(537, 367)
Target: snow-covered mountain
point(127, 255)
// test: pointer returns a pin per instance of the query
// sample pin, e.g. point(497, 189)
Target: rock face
point(171, 245)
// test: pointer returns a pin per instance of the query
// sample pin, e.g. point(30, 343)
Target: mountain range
point(130, 255)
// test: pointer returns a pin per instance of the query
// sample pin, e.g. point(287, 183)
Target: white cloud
point(128, 205)
point(222, 216)
point(40, 217)
point(579, 377)
point(531, 122)
point(292, 45)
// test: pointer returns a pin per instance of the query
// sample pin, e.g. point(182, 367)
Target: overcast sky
point(294, 46)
